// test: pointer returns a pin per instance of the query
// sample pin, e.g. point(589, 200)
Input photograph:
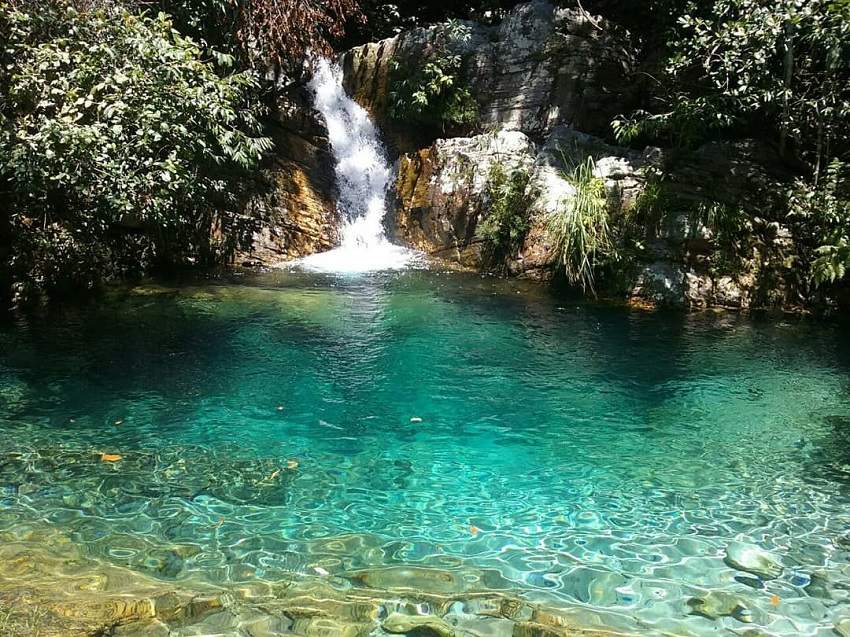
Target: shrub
point(433, 95)
point(115, 123)
point(434, 92)
point(509, 198)
point(823, 211)
point(579, 228)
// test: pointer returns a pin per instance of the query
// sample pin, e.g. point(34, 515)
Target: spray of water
point(362, 174)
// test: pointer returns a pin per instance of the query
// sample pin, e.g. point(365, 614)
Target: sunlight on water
point(301, 423)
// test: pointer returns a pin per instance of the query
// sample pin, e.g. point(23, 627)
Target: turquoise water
point(574, 453)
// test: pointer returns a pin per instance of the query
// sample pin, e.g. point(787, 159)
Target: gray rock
point(661, 283)
point(752, 559)
point(541, 67)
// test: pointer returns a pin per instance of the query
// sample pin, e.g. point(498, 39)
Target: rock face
point(297, 210)
point(441, 192)
point(548, 82)
point(541, 67)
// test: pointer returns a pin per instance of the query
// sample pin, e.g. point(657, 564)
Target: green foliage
point(509, 198)
point(784, 66)
point(115, 122)
point(728, 222)
point(833, 261)
point(823, 211)
point(685, 125)
point(434, 92)
point(654, 202)
point(658, 202)
point(580, 228)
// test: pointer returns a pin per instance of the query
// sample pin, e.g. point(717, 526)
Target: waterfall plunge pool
point(436, 433)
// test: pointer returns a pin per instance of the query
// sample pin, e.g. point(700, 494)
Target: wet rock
point(480, 625)
point(174, 607)
point(753, 582)
point(843, 541)
point(531, 629)
point(296, 210)
point(109, 611)
point(661, 283)
point(818, 586)
point(430, 580)
point(752, 559)
point(717, 604)
point(329, 627)
point(842, 627)
point(417, 626)
point(268, 627)
point(515, 609)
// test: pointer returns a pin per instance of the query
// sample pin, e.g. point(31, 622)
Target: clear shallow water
point(576, 454)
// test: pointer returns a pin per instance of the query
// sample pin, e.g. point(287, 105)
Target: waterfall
point(362, 175)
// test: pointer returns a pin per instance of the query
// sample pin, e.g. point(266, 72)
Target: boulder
point(441, 192)
point(717, 604)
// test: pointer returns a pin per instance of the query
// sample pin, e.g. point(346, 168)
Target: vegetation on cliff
point(779, 72)
point(129, 137)
point(509, 198)
point(433, 92)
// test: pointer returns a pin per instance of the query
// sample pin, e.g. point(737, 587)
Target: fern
point(436, 94)
point(824, 210)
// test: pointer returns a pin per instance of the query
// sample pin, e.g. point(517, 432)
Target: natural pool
point(575, 455)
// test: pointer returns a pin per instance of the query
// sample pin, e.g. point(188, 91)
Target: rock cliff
point(547, 82)
point(297, 210)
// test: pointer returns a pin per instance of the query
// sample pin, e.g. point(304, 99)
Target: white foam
point(362, 174)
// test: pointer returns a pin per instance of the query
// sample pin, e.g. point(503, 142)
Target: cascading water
point(362, 173)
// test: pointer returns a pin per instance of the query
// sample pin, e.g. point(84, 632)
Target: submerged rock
point(417, 626)
point(818, 586)
point(842, 627)
point(716, 605)
point(428, 580)
point(752, 559)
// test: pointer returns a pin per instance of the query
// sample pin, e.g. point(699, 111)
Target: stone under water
point(752, 559)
